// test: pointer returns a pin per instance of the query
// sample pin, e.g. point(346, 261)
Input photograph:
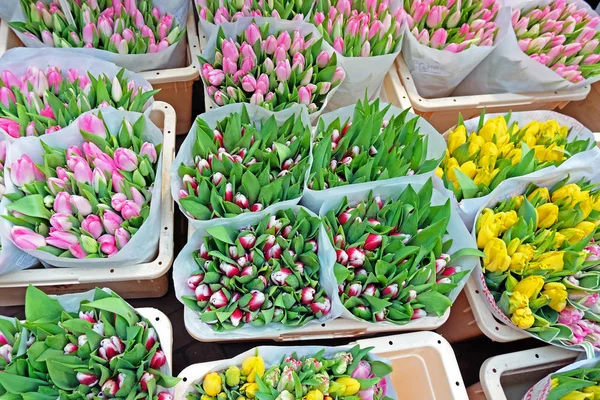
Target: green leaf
point(434, 302)
point(198, 211)
point(223, 234)
point(39, 307)
point(118, 306)
point(32, 205)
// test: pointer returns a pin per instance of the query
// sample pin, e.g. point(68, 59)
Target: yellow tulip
point(523, 318)
point(488, 230)
point(485, 176)
point(506, 149)
point(449, 169)
point(549, 260)
point(486, 217)
point(526, 249)
point(518, 261)
point(573, 235)
point(586, 206)
point(494, 127)
point(314, 395)
point(586, 227)
point(475, 143)
point(577, 395)
point(513, 245)
point(569, 195)
point(250, 389)
point(351, 385)
point(506, 219)
point(547, 215)
point(488, 155)
point(456, 138)
point(559, 239)
point(517, 201)
point(529, 139)
point(540, 194)
point(497, 258)
point(212, 384)
point(205, 397)
point(253, 365)
point(530, 286)
point(517, 300)
point(593, 389)
point(554, 382)
point(439, 172)
point(469, 169)
point(532, 128)
point(557, 292)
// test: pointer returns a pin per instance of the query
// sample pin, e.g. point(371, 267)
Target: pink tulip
point(304, 95)
point(87, 379)
point(10, 80)
point(130, 210)
point(284, 40)
point(438, 39)
point(362, 370)
point(62, 240)
point(92, 124)
point(591, 59)
point(571, 49)
point(338, 45)
point(82, 171)
point(216, 77)
point(6, 97)
point(256, 301)
point(12, 128)
point(62, 203)
point(249, 83)
point(283, 71)
point(81, 205)
point(24, 171)
point(61, 222)
point(125, 159)
point(108, 245)
point(93, 225)
point(26, 239)
point(252, 33)
point(524, 44)
point(435, 16)
point(122, 237)
point(230, 50)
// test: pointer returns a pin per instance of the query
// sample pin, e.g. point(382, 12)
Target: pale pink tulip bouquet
point(401, 252)
point(270, 67)
point(452, 25)
point(95, 348)
point(118, 26)
point(239, 159)
point(86, 200)
point(219, 11)
point(359, 28)
point(3, 145)
point(561, 36)
point(43, 101)
point(266, 272)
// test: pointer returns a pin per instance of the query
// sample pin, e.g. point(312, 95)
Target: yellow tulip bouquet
point(311, 373)
point(577, 381)
point(541, 256)
point(477, 161)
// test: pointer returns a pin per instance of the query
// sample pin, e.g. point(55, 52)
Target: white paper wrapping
point(143, 245)
point(172, 57)
point(509, 70)
point(511, 189)
point(456, 231)
point(19, 59)
point(541, 390)
point(185, 156)
point(468, 208)
point(437, 73)
point(275, 25)
point(272, 355)
point(184, 266)
point(314, 199)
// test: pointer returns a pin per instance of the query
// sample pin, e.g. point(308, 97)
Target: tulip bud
point(158, 360)
point(257, 300)
point(418, 313)
point(202, 292)
point(279, 277)
point(218, 299)
point(146, 376)
point(354, 289)
point(356, 257)
point(256, 207)
point(321, 308)
point(390, 291)
point(307, 295)
point(342, 257)
point(70, 348)
point(87, 379)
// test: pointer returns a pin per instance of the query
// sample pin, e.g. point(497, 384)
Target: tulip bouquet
point(218, 12)
point(309, 373)
point(541, 256)
point(485, 152)
point(42, 101)
point(264, 273)
point(98, 348)
point(394, 258)
point(575, 381)
point(90, 199)
point(367, 36)
point(274, 65)
point(241, 163)
point(368, 143)
point(447, 40)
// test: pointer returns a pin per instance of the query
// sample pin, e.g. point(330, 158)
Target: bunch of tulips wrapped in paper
point(477, 162)
point(244, 166)
point(265, 273)
point(271, 70)
point(218, 11)
point(343, 375)
point(359, 28)
point(560, 36)
point(118, 26)
point(452, 25)
point(576, 383)
point(540, 256)
point(391, 256)
point(87, 200)
point(42, 102)
point(368, 147)
point(103, 350)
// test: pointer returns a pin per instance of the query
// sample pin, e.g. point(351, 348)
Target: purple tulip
point(362, 370)
point(81, 204)
point(62, 240)
point(26, 239)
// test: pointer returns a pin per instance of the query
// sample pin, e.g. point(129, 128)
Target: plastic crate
point(136, 281)
point(510, 376)
point(587, 111)
point(175, 84)
point(442, 113)
point(425, 367)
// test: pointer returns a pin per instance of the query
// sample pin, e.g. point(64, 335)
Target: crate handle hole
point(157, 319)
point(477, 291)
point(537, 356)
point(166, 107)
point(158, 73)
point(494, 370)
point(457, 383)
point(112, 270)
point(166, 228)
point(497, 328)
point(391, 343)
point(323, 325)
point(439, 342)
point(184, 379)
point(160, 263)
point(168, 131)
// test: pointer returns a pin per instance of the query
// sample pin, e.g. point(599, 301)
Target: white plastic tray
point(509, 376)
point(425, 367)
